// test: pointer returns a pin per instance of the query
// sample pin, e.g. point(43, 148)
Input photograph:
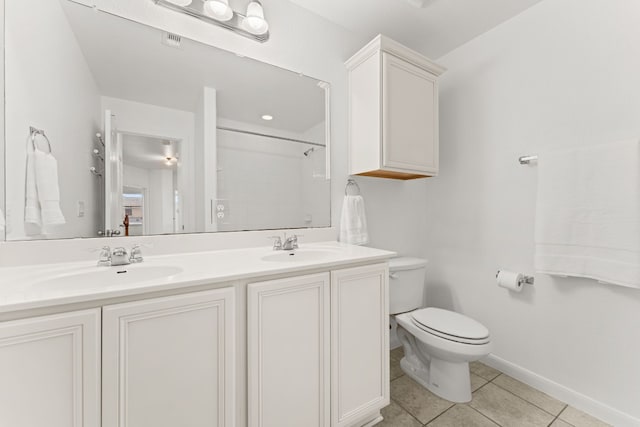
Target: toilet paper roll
point(510, 280)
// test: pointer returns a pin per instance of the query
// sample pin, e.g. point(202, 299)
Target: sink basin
point(299, 255)
point(108, 276)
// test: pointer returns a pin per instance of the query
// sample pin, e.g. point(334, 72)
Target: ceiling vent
point(171, 40)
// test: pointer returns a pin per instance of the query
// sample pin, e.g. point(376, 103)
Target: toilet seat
point(450, 325)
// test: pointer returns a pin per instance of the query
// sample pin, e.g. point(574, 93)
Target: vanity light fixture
point(255, 22)
point(267, 117)
point(218, 12)
point(219, 9)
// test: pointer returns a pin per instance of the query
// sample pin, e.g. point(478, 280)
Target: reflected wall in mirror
point(153, 133)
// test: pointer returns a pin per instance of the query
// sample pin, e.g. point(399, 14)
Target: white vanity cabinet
point(170, 361)
point(50, 370)
point(300, 345)
point(318, 349)
point(288, 352)
point(393, 112)
point(359, 344)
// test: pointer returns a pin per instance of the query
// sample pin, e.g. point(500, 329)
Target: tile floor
point(498, 400)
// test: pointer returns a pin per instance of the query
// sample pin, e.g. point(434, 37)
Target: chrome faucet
point(119, 256)
point(290, 243)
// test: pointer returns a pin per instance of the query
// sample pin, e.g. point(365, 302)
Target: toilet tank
point(406, 284)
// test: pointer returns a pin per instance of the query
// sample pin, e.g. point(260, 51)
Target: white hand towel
point(48, 190)
point(353, 222)
point(588, 213)
point(32, 218)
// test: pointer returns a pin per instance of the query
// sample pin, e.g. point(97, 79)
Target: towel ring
point(35, 132)
point(351, 183)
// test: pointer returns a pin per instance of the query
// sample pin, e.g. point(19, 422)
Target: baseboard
point(565, 394)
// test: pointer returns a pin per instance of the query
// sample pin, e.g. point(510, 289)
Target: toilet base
point(448, 380)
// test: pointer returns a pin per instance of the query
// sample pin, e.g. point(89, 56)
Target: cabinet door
point(50, 371)
point(288, 352)
point(169, 362)
point(359, 344)
point(409, 117)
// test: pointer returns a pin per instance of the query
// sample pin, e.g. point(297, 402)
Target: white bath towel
point(42, 194)
point(32, 218)
point(588, 213)
point(48, 189)
point(353, 222)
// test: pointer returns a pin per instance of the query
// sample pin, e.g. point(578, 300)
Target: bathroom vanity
point(245, 337)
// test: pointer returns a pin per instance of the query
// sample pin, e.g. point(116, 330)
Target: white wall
point(151, 120)
point(37, 94)
point(564, 73)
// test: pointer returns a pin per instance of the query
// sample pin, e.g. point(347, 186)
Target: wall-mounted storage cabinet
point(393, 112)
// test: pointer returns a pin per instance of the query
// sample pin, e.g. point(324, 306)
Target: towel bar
point(525, 160)
point(352, 183)
point(33, 132)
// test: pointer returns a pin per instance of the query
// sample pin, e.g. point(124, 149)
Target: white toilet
point(438, 344)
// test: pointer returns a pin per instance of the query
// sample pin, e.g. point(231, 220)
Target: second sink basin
point(299, 255)
point(108, 276)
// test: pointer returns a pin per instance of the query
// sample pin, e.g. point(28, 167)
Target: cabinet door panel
point(359, 343)
point(170, 361)
point(410, 117)
point(50, 371)
point(288, 352)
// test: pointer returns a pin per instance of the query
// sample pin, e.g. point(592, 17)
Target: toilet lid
point(450, 325)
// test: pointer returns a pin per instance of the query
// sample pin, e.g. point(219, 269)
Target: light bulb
point(218, 9)
point(255, 22)
point(182, 3)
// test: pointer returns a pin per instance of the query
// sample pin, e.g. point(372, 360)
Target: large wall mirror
point(152, 133)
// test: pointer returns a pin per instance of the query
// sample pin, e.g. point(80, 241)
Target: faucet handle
point(136, 254)
point(277, 242)
point(105, 256)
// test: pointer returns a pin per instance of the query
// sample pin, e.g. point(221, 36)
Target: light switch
point(80, 208)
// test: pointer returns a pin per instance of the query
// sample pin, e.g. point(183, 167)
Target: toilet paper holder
point(526, 280)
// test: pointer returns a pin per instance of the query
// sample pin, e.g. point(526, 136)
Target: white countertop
point(49, 285)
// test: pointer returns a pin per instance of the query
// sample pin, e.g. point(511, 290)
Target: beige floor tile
point(484, 371)
point(559, 423)
point(507, 409)
point(530, 394)
point(580, 419)
point(462, 415)
point(395, 416)
point(395, 371)
point(477, 382)
point(417, 400)
point(397, 353)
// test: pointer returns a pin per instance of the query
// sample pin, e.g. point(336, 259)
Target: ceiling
point(129, 61)
point(435, 29)
point(148, 152)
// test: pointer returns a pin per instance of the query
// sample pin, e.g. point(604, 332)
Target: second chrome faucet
point(120, 256)
point(288, 244)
